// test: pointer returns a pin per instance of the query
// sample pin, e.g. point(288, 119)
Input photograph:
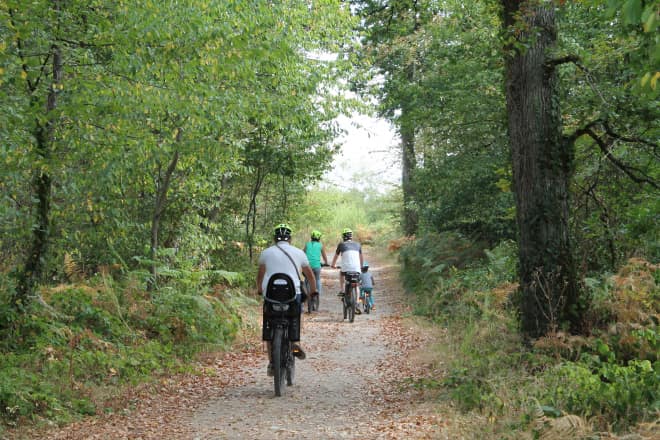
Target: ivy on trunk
point(542, 163)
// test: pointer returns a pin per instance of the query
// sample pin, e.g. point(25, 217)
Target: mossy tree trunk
point(44, 135)
point(542, 161)
point(408, 165)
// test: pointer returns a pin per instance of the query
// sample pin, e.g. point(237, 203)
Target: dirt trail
point(351, 386)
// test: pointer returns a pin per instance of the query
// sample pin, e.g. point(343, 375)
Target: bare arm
point(260, 278)
point(325, 259)
point(309, 274)
point(334, 260)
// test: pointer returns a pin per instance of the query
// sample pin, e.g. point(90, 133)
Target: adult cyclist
point(351, 256)
point(315, 252)
point(281, 257)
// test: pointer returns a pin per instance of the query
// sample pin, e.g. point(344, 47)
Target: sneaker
point(269, 370)
point(298, 352)
point(358, 311)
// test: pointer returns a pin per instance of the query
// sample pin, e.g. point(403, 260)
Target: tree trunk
point(408, 164)
point(42, 186)
point(159, 209)
point(541, 160)
point(251, 216)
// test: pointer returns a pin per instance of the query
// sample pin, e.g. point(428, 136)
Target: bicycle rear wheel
point(351, 305)
point(278, 362)
point(367, 303)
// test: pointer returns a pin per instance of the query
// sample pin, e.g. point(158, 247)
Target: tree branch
point(83, 44)
point(632, 172)
point(563, 60)
point(636, 140)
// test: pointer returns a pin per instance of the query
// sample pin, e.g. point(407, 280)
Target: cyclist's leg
point(371, 297)
point(295, 346)
point(317, 275)
point(307, 286)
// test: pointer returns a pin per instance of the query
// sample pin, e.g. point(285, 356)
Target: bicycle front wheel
point(278, 361)
point(290, 365)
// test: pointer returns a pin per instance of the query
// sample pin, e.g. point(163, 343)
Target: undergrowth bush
point(607, 393)
point(616, 378)
point(441, 268)
point(609, 376)
point(77, 339)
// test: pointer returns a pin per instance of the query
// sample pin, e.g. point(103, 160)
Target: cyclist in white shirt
point(351, 256)
point(281, 257)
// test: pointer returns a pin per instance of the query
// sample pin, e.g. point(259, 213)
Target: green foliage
point(372, 216)
point(155, 141)
point(89, 336)
point(603, 389)
point(610, 378)
point(441, 268)
point(190, 319)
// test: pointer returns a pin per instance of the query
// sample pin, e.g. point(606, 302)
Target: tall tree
point(41, 52)
point(542, 165)
point(393, 41)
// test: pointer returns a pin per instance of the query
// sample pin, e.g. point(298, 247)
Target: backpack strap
point(303, 293)
point(291, 260)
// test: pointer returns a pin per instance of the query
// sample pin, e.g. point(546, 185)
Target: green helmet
point(347, 234)
point(316, 235)
point(282, 232)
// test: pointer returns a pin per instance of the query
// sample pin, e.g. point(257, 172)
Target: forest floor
point(358, 382)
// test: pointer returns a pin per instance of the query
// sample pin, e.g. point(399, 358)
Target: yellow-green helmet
point(347, 234)
point(282, 232)
point(316, 235)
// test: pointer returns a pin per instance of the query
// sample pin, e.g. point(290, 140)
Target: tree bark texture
point(541, 160)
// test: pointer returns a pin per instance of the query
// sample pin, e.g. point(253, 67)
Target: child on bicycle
point(367, 285)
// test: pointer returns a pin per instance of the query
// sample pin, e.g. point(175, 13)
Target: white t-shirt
point(277, 262)
point(350, 252)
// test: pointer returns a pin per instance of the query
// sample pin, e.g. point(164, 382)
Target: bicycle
point(313, 300)
point(349, 300)
point(366, 297)
point(281, 326)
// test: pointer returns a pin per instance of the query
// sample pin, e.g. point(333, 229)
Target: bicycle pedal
point(299, 353)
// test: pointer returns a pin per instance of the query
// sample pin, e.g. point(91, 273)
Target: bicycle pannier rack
point(352, 277)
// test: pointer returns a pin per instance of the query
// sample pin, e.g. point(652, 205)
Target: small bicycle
point(366, 301)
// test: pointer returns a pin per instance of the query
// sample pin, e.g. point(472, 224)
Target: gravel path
point(345, 389)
